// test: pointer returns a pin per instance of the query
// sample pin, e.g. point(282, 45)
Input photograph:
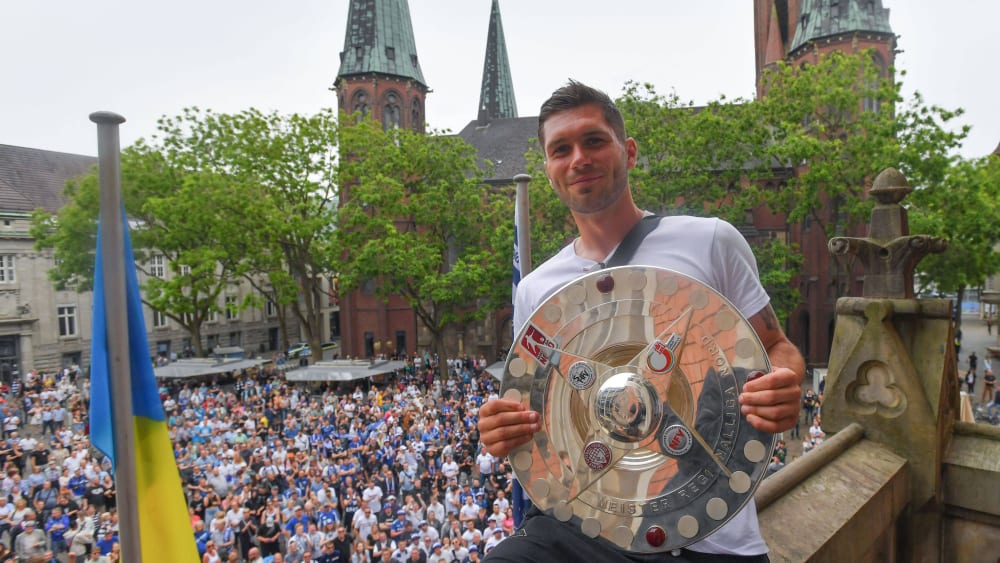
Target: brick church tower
point(799, 32)
point(379, 69)
point(380, 76)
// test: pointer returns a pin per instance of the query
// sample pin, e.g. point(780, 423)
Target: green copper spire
point(379, 39)
point(827, 18)
point(496, 97)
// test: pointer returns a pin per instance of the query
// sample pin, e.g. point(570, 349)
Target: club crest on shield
point(662, 357)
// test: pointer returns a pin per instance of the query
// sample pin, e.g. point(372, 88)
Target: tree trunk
point(195, 332)
point(959, 296)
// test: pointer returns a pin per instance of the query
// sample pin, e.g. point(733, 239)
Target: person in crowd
point(989, 381)
point(32, 542)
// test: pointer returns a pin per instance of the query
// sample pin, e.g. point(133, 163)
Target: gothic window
point(871, 102)
point(416, 120)
point(359, 103)
point(391, 115)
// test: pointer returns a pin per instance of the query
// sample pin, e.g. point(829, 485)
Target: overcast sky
point(64, 59)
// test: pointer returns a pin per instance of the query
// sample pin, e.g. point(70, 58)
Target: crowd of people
point(385, 470)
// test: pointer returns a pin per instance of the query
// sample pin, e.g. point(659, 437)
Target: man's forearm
point(786, 355)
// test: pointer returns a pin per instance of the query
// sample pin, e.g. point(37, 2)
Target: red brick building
point(799, 31)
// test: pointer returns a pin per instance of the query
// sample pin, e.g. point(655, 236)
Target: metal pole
point(116, 312)
point(523, 223)
point(520, 500)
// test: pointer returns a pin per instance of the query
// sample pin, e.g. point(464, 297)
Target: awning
point(204, 366)
point(496, 370)
point(342, 370)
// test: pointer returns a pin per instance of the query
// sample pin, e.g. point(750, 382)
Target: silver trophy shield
point(635, 372)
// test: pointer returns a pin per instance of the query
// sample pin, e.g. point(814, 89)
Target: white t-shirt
point(485, 462)
point(707, 249)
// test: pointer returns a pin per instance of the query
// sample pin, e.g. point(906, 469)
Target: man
point(364, 523)
point(587, 159)
point(342, 545)
point(56, 527)
point(268, 536)
point(95, 556)
point(31, 542)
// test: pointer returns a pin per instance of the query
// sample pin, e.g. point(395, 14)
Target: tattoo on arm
point(769, 318)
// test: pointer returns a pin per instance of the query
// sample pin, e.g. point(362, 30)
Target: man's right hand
point(505, 425)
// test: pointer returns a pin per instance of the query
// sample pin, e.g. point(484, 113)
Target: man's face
point(586, 164)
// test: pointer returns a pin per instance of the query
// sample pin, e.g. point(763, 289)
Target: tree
point(221, 199)
point(281, 202)
point(167, 237)
point(807, 150)
point(693, 160)
point(962, 209)
point(838, 123)
point(416, 221)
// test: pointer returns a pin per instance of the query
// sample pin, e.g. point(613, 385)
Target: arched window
point(871, 102)
point(360, 103)
point(416, 115)
point(391, 114)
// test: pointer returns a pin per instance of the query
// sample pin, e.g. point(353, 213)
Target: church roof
point(379, 39)
point(33, 178)
point(827, 18)
point(496, 96)
point(503, 144)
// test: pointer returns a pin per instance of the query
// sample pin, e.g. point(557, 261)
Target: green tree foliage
point(963, 209)
point(807, 150)
point(158, 199)
point(280, 204)
point(692, 160)
point(415, 221)
point(838, 123)
point(223, 199)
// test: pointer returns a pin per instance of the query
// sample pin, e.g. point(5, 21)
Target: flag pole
point(522, 247)
point(116, 312)
point(523, 223)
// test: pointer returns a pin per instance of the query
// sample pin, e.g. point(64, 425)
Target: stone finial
point(889, 254)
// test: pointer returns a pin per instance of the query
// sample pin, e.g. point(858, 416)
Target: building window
point(391, 112)
point(7, 270)
point(157, 266)
point(234, 338)
point(159, 319)
point(334, 324)
point(213, 316)
point(359, 103)
point(67, 320)
point(390, 53)
point(416, 119)
point(185, 270)
point(270, 309)
point(231, 313)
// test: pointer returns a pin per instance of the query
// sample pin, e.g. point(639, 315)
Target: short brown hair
point(576, 94)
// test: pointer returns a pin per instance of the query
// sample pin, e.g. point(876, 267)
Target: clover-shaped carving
point(875, 391)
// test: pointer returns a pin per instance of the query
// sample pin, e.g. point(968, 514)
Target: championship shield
point(635, 372)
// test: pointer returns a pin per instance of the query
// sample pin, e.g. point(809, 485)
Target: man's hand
point(771, 402)
point(505, 425)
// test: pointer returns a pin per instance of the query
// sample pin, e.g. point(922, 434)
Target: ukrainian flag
point(164, 525)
